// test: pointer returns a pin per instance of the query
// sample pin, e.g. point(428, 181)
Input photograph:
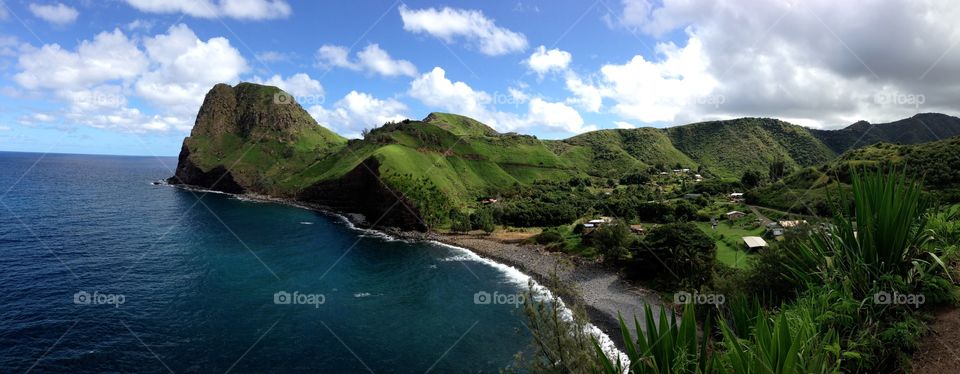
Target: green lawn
point(730, 248)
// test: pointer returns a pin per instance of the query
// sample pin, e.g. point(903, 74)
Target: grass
point(730, 247)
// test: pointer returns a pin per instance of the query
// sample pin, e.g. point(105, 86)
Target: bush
point(676, 249)
point(612, 240)
point(460, 222)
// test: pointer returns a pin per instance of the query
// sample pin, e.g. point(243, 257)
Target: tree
point(482, 220)
point(684, 211)
point(751, 179)
point(680, 249)
point(612, 240)
point(778, 169)
point(460, 222)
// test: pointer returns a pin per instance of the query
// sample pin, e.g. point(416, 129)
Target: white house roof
point(736, 194)
point(734, 212)
point(595, 221)
point(754, 241)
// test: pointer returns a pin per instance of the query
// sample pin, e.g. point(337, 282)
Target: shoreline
point(603, 293)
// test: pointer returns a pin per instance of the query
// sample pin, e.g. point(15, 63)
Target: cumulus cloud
point(357, 111)
point(300, 84)
point(372, 59)
point(109, 56)
point(238, 9)
point(172, 72)
point(435, 90)
point(185, 67)
point(55, 13)
point(449, 24)
point(801, 60)
point(543, 61)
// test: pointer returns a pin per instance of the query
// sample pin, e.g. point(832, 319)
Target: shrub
point(676, 249)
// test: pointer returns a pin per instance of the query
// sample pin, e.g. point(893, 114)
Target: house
point(735, 215)
point(698, 177)
point(637, 229)
point(774, 229)
point(737, 196)
point(754, 242)
point(488, 200)
point(684, 170)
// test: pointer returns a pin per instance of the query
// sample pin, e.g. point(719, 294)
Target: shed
point(754, 242)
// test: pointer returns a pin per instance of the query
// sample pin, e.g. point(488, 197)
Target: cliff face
point(253, 138)
point(361, 191)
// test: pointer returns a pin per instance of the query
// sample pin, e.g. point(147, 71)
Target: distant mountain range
point(254, 138)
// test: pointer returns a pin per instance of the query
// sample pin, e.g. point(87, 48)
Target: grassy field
point(730, 247)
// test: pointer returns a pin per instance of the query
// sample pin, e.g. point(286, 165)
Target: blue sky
point(127, 77)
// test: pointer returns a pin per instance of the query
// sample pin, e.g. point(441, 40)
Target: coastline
point(603, 293)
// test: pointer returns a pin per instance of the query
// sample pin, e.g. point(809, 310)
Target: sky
point(128, 76)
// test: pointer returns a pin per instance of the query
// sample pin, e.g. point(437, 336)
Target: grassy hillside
point(269, 144)
point(728, 148)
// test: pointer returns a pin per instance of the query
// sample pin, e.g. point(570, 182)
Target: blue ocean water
point(101, 271)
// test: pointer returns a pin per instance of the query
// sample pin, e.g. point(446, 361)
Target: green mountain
point(411, 174)
point(921, 128)
point(807, 190)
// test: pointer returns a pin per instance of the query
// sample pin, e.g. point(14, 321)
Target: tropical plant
point(665, 346)
point(884, 232)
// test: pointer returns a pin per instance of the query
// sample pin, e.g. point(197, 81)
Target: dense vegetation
point(849, 303)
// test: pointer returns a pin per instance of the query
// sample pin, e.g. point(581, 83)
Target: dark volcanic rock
point(361, 191)
point(217, 179)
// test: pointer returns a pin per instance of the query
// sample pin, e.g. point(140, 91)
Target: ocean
point(103, 271)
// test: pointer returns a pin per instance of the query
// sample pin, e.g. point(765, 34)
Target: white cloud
point(5, 128)
point(543, 61)
point(434, 89)
point(307, 91)
point(448, 24)
point(371, 59)
point(273, 56)
point(437, 91)
point(800, 60)
point(96, 80)
point(185, 67)
point(141, 25)
point(55, 13)
point(357, 111)
point(555, 115)
point(624, 125)
point(585, 95)
point(238, 9)
point(35, 118)
point(110, 56)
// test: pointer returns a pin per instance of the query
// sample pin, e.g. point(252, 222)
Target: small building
point(637, 229)
point(774, 229)
point(737, 196)
point(735, 215)
point(488, 200)
point(684, 170)
point(754, 242)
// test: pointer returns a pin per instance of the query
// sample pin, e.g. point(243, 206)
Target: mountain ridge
point(254, 138)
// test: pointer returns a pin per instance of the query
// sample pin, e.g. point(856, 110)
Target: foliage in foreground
point(891, 241)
